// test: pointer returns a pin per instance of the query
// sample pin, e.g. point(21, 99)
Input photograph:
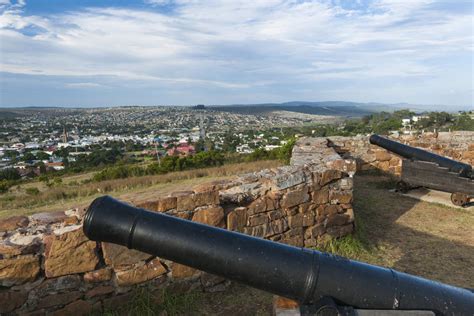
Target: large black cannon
point(313, 278)
point(422, 168)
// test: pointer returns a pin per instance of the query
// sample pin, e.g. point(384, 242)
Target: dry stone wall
point(48, 266)
point(455, 145)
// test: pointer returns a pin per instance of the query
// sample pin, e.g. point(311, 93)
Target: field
point(421, 238)
point(78, 191)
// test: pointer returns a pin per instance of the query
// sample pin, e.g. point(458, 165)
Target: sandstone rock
point(276, 227)
point(18, 270)
point(100, 290)
point(306, 207)
point(317, 230)
point(346, 183)
point(167, 203)
point(274, 215)
point(298, 231)
point(339, 231)
point(384, 166)
point(368, 157)
point(8, 251)
point(395, 161)
point(337, 220)
point(296, 241)
point(100, 275)
point(293, 198)
point(346, 165)
point(382, 156)
point(284, 181)
point(180, 271)
point(465, 155)
point(117, 256)
point(67, 282)
point(272, 201)
point(282, 303)
point(58, 299)
point(237, 219)
point(257, 206)
point(258, 219)
point(308, 220)
point(70, 220)
point(79, 307)
point(257, 231)
point(215, 185)
point(320, 197)
point(13, 223)
point(185, 200)
point(48, 217)
point(149, 205)
point(329, 176)
point(69, 253)
point(206, 198)
point(325, 210)
point(295, 220)
point(140, 274)
point(11, 300)
point(341, 197)
point(211, 216)
point(350, 213)
point(209, 280)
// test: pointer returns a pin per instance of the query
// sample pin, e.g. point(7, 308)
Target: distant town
point(36, 141)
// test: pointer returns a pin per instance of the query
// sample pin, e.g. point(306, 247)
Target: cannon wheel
point(459, 199)
point(403, 187)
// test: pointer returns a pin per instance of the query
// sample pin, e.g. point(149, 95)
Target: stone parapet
point(48, 266)
point(455, 145)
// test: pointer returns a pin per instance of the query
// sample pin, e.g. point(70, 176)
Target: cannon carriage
point(421, 168)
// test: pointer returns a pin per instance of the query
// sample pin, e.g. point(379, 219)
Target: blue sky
point(178, 52)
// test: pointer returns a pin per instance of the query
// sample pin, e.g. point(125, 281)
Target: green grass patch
point(180, 304)
point(355, 246)
point(145, 302)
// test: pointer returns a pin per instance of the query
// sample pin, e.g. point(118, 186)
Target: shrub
point(5, 185)
point(32, 191)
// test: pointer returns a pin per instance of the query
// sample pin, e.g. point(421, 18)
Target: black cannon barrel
point(409, 152)
point(297, 273)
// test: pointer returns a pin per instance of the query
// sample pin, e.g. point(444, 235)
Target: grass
point(180, 304)
point(66, 196)
point(147, 303)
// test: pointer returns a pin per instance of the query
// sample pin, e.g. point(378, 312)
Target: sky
point(184, 52)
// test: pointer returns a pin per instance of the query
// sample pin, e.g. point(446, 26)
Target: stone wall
point(455, 145)
point(47, 265)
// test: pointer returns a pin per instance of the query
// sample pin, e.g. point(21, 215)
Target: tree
point(9, 174)
point(28, 157)
point(41, 155)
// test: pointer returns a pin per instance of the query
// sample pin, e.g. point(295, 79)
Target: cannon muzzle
point(296, 273)
point(413, 153)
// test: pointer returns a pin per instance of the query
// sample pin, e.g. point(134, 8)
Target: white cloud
point(237, 44)
point(83, 85)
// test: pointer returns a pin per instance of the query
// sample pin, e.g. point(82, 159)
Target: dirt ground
point(425, 239)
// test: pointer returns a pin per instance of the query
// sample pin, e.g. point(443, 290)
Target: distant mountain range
point(334, 108)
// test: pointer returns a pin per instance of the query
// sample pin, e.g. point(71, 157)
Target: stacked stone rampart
point(48, 266)
point(455, 145)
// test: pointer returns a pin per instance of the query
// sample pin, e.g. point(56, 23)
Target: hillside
point(329, 108)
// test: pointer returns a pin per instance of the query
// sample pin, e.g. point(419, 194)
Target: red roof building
point(181, 150)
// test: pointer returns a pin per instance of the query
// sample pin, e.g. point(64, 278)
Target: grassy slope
point(137, 189)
